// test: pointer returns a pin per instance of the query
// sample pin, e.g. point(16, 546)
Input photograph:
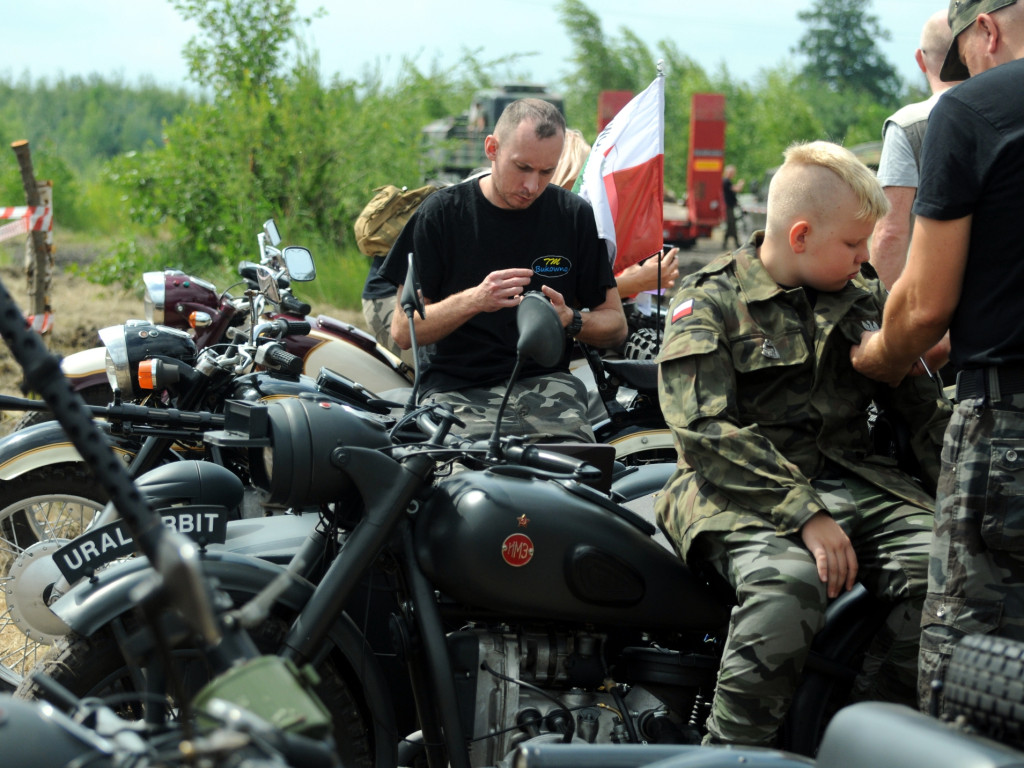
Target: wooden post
point(38, 253)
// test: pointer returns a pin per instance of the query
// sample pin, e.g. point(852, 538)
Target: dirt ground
point(81, 309)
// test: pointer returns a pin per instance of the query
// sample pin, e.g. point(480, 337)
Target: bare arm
point(921, 303)
point(892, 235)
point(499, 290)
point(644, 276)
point(604, 326)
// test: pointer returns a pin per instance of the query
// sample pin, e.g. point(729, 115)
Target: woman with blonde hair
point(574, 155)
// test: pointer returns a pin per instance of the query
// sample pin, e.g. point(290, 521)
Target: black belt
point(981, 382)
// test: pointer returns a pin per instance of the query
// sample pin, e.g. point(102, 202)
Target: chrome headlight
point(153, 300)
point(172, 296)
point(118, 375)
point(130, 344)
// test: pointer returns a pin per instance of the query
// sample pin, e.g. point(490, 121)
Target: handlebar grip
point(293, 306)
point(549, 461)
point(292, 327)
point(278, 359)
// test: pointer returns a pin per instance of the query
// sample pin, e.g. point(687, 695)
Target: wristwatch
point(575, 326)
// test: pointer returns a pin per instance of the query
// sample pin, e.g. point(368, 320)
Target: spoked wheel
point(46, 504)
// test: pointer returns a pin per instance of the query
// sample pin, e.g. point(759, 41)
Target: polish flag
point(624, 178)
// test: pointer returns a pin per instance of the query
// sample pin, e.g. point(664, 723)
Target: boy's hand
point(832, 551)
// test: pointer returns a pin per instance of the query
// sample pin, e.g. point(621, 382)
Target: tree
point(599, 65)
point(243, 41)
point(841, 50)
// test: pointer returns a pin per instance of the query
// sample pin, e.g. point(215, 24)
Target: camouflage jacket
point(758, 389)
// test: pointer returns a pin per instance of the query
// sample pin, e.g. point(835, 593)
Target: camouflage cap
point(963, 13)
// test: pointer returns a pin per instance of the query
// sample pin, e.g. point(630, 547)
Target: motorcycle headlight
point(129, 344)
point(153, 300)
point(300, 468)
point(172, 296)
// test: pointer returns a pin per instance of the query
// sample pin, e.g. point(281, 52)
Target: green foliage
point(86, 121)
point(186, 181)
point(841, 47)
point(242, 44)
point(844, 93)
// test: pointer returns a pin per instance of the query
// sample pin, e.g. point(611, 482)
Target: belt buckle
point(970, 383)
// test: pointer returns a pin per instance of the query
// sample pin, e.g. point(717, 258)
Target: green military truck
point(454, 146)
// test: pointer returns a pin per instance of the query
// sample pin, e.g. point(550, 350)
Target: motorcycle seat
point(641, 375)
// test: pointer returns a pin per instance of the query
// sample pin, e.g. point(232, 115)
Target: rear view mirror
point(541, 336)
point(299, 263)
point(270, 230)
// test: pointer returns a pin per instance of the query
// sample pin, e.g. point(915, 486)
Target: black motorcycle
point(462, 617)
point(281, 722)
point(48, 496)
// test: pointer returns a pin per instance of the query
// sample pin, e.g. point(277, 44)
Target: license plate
point(81, 557)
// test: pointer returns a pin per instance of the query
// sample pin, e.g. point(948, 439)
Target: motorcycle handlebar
point(282, 327)
point(550, 461)
point(293, 306)
point(277, 358)
point(514, 452)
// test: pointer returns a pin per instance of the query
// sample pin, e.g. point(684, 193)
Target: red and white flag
point(624, 178)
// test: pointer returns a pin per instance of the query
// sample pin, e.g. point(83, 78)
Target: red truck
point(701, 210)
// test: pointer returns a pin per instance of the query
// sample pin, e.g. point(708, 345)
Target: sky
point(134, 39)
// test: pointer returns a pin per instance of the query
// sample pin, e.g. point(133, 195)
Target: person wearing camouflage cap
point(778, 488)
point(965, 274)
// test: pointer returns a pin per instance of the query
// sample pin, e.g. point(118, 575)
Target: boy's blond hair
point(807, 184)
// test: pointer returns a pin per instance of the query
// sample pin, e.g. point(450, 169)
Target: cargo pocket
point(1002, 525)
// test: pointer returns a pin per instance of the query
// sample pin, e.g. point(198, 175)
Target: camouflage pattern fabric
point(377, 313)
point(757, 387)
point(542, 408)
point(776, 576)
point(976, 573)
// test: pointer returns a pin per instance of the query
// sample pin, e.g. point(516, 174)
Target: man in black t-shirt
point(965, 273)
point(478, 246)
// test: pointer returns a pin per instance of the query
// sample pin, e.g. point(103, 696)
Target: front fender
point(86, 368)
point(41, 445)
point(90, 605)
point(635, 439)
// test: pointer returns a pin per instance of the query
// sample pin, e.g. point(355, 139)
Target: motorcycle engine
point(522, 687)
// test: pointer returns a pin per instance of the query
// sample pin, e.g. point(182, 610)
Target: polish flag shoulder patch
point(683, 309)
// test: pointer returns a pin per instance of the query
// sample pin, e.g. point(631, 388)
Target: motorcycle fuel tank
point(536, 549)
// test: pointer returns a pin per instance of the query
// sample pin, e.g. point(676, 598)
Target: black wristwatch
point(575, 326)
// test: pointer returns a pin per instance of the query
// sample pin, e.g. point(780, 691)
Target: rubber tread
point(984, 686)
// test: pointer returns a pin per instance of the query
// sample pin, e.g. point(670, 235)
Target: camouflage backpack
point(381, 221)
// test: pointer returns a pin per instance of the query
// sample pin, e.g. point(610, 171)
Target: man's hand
point(869, 358)
point(832, 551)
point(501, 289)
point(558, 302)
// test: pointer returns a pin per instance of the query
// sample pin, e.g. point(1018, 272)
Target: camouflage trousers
point(378, 313)
point(552, 407)
point(781, 606)
point(976, 573)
